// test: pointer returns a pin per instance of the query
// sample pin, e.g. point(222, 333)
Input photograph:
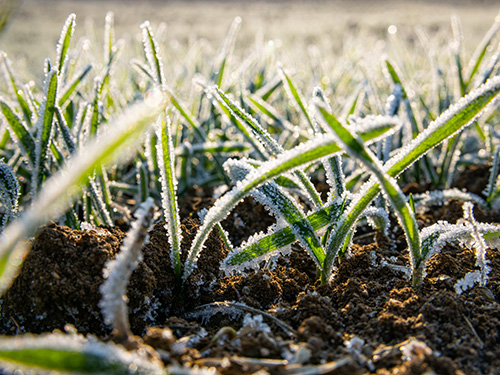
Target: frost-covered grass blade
point(166, 166)
point(357, 149)
point(61, 188)
point(72, 354)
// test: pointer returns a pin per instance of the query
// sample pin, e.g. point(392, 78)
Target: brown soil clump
point(368, 320)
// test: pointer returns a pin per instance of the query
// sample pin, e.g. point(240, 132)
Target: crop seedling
point(88, 152)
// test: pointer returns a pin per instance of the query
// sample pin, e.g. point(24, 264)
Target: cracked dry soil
point(367, 321)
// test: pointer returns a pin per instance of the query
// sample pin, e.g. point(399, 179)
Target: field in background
point(33, 33)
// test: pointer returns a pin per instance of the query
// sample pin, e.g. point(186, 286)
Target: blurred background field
point(34, 30)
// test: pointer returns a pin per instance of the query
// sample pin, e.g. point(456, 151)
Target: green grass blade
point(65, 132)
point(415, 128)
point(481, 50)
point(266, 91)
point(73, 354)
point(456, 27)
point(70, 88)
point(184, 113)
point(44, 128)
point(142, 181)
point(60, 190)
point(250, 121)
point(211, 148)
point(282, 206)
point(64, 41)
point(19, 131)
point(109, 37)
point(284, 237)
point(225, 53)
point(152, 53)
point(96, 111)
point(166, 166)
point(27, 113)
point(296, 96)
point(357, 149)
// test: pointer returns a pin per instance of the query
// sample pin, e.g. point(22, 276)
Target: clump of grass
point(253, 131)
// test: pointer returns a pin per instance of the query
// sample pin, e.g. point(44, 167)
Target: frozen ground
point(34, 31)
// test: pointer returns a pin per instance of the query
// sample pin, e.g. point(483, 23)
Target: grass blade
point(480, 52)
point(357, 149)
point(455, 118)
point(152, 53)
point(14, 88)
point(73, 354)
point(9, 193)
point(19, 132)
point(166, 166)
point(296, 96)
point(44, 128)
point(267, 140)
point(282, 206)
point(63, 43)
point(70, 88)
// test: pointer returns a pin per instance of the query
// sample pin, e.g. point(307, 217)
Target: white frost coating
point(70, 23)
point(372, 122)
point(253, 324)
point(452, 111)
point(425, 200)
point(223, 206)
point(378, 218)
point(107, 354)
point(87, 227)
point(206, 312)
point(479, 244)
point(117, 272)
point(254, 264)
point(468, 281)
point(168, 197)
point(152, 53)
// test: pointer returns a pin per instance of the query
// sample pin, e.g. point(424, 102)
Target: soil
point(368, 320)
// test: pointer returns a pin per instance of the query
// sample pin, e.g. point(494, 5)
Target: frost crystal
point(415, 350)
point(9, 193)
point(253, 324)
point(480, 277)
point(425, 200)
